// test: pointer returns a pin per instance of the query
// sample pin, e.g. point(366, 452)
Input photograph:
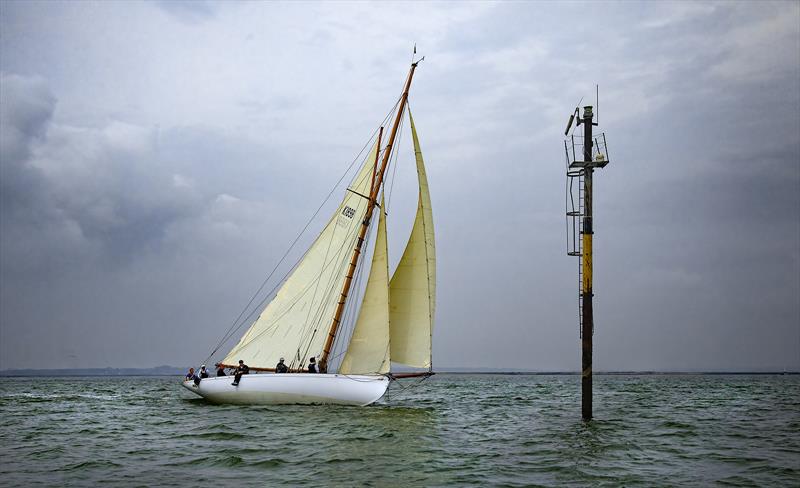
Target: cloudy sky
point(159, 157)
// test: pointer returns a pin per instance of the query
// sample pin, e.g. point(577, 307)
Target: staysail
point(413, 286)
point(295, 323)
point(369, 344)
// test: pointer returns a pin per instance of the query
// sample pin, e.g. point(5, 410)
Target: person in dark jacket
point(312, 365)
point(203, 372)
point(237, 374)
point(281, 367)
point(220, 370)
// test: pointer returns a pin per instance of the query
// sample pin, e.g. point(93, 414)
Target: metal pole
point(587, 326)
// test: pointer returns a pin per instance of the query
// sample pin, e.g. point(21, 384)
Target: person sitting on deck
point(203, 372)
point(190, 376)
point(281, 367)
point(238, 372)
point(220, 370)
point(312, 365)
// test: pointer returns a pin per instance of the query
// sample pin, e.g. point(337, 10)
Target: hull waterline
point(292, 388)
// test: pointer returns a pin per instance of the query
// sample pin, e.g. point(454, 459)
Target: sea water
point(462, 430)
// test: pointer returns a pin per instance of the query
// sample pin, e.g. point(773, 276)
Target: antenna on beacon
point(597, 102)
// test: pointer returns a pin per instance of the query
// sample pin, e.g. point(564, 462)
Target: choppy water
point(450, 430)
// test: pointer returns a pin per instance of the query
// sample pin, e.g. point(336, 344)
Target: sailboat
point(305, 318)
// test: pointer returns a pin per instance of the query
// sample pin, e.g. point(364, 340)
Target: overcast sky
point(159, 157)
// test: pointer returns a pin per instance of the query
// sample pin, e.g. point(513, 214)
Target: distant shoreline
point(176, 371)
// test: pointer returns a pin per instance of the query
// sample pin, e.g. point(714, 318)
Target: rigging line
point(271, 327)
point(347, 244)
point(353, 377)
point(387, 117)
point(266, 297)
point(350, 317)
point(325, 260)
point(325, 270)
point(312, 327)
point(412, 385)
point(298, 297)
point(316, 323)
point(358, 273)
point(345, 317)
point(343, 247)
point(233, 328)
point(353, 302)
point(394, 163)
point(360, 290)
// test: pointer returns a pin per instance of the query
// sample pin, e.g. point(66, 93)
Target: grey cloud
point(102, 186)
point(171, 229)
point(121, 232)
point(26, 106)
point(193, 12)
point(25, 112)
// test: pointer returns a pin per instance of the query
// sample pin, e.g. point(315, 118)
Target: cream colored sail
point(413, 286)
point(369, 344)
point(295, 323)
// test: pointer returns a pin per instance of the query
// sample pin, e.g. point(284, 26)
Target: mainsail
point(295, 323)
point(413, 286)
point(369, 344)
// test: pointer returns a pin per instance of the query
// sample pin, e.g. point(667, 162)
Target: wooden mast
point(377, 156)
point(375, 188)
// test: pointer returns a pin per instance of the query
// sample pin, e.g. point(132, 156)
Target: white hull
point(292, 388)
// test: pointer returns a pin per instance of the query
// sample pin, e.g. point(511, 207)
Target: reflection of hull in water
point(292, 388)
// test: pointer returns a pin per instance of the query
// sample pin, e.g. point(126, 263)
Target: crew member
point(238, 372)
point(281, 367)
point(312, 365)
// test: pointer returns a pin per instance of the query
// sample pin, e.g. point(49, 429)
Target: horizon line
point(153, 371)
